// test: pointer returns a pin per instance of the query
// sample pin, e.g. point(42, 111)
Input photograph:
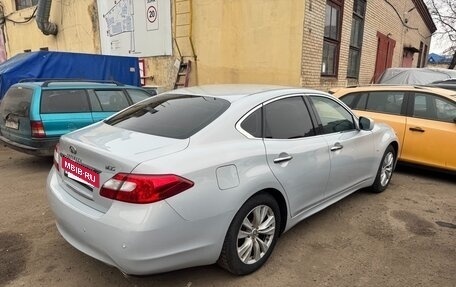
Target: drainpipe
point(42, 18)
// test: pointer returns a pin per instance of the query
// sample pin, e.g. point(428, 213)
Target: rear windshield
point(16, 102)
point(174, 116)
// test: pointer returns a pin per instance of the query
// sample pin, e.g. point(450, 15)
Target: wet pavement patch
point(446, 224)
point(13, 256)
point(414, 223)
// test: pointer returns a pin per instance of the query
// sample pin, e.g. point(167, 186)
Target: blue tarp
point(58, 65)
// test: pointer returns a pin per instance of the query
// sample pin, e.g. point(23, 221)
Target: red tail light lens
point(143, 188)
point(37, 129)
point(56, 157)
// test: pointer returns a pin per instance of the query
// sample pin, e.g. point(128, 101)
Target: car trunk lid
point(91, 156)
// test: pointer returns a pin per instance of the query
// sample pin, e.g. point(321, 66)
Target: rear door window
point(94, 101)
point(64, 101)
point(446, 110)
point(174, 116)
point(16, 102)
point(137, 95)
point(112, 100)
point(432, 107)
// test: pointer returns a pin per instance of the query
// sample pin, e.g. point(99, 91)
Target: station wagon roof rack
point(45, 79)
point(48, 81)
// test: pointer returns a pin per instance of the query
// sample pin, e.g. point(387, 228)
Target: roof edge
point(425, 15)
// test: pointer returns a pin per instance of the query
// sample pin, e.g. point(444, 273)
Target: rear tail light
point(56, 157)
point(143, 188)
point(37, 129)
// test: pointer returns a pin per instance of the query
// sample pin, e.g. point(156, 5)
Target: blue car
point(33, 115)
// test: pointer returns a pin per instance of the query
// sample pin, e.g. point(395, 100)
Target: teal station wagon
point(33, 115)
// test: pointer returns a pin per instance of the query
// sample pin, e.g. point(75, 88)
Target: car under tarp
point(65, 65)
point(415, 76)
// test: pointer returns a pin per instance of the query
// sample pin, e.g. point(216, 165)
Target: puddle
point(414, 223)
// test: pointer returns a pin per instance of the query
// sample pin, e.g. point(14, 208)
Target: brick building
point(313, 43)
point(352, 42)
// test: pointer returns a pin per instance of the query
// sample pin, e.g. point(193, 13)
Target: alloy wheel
point(256, 234)
point(387, 169)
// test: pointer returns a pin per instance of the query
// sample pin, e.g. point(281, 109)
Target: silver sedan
point(211, 174)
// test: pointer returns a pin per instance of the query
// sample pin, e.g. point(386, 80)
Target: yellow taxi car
point(424, 119)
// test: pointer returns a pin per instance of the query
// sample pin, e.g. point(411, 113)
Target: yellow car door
point(430, 133)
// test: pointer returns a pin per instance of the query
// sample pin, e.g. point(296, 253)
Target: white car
point(211, 174)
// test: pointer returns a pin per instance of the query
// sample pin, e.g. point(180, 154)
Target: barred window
point(356, 39)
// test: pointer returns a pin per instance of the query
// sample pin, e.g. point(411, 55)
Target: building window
point(331, 43)
point(356, 39)
point(22, 4)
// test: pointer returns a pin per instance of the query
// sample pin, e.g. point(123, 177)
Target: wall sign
point(139, 28)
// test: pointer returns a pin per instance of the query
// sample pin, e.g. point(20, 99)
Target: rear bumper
point(137, 239)
point(45, 147)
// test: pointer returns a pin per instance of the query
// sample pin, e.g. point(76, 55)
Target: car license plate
point(80, 172)
point(12, 124)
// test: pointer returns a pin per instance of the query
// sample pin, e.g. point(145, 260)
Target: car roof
point(443, 92)
point(234, 92)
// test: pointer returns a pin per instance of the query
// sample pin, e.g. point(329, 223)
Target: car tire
point(251, 236)
point(385, 170)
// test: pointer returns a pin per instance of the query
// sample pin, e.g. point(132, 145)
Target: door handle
point(337, 146)
point(283, 157)
point(417, 129)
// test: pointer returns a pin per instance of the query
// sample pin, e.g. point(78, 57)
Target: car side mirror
point(366, 124)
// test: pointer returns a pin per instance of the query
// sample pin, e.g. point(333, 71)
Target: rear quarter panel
point(199, 164)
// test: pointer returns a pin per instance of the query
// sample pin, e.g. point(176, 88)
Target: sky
point(439, 43)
